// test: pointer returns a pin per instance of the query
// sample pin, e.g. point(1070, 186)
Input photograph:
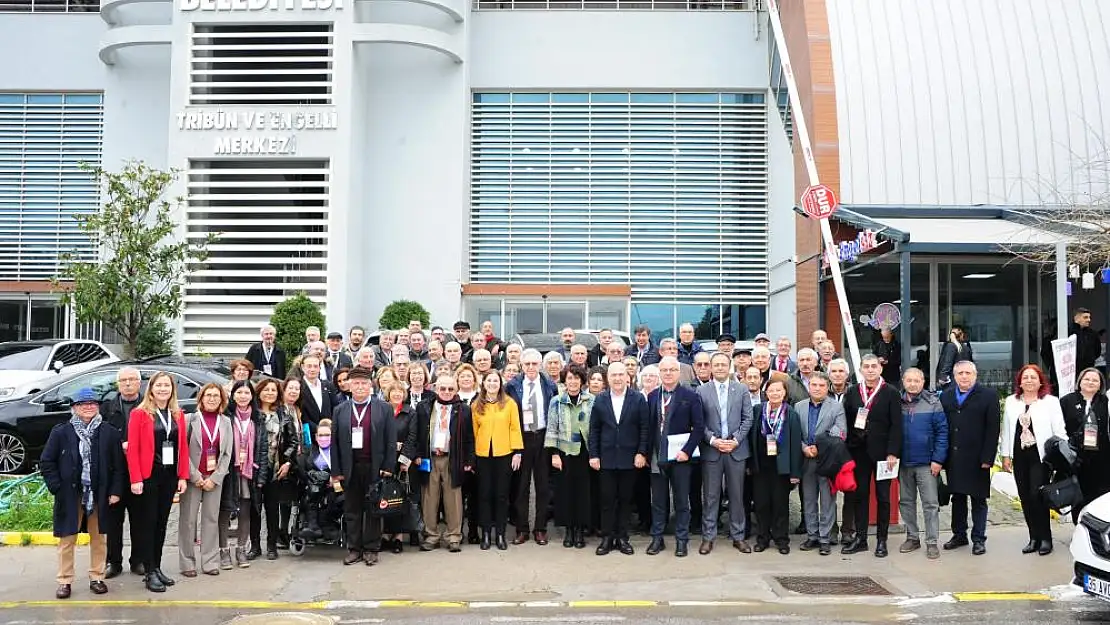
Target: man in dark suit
point(316, 394)
point(675, 410)
point(727, 406)
point(365, 450)
point(336, 358)
point(266, 356)
point(620, 427)
point(532, 393)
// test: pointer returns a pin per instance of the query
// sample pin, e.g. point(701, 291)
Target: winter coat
point(231, 493)
point(924, 430)
point(1093, 466)
point(832, 455)
point(949, 356)
point(60, 464)
point(972, 440)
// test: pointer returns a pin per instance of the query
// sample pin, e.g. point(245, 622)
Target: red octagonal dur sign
point(819, 201)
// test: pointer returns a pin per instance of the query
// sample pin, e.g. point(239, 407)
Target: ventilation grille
point(272, 220)
point(261, 64)
point(666, 192)
point(44, 137)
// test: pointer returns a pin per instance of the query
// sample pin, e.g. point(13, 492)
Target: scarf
point(1026, 421)
point(244, 440)
point(85, 432)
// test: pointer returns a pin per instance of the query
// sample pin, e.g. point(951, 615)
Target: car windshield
point(23, 357)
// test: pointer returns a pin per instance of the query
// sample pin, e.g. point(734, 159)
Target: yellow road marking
point(1001, 596)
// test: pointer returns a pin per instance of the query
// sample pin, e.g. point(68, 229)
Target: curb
point(35, 539)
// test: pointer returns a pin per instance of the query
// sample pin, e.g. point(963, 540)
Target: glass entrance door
point(523, 317)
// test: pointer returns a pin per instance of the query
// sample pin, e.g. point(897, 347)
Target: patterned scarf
point(1025, 420)
point(85, 432)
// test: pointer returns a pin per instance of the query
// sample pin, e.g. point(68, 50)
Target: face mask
point(323, 441)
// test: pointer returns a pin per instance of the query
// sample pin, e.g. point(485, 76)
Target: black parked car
point(25, 422)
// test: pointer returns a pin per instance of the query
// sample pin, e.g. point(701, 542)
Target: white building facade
point(538, 164)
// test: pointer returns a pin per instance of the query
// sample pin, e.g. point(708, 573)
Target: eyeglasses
point(701, 364)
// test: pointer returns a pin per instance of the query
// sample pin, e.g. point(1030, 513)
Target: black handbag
point(1062, 493)
point(387, 497)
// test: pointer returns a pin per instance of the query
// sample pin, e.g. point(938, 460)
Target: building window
point(571, 188)
point(618, 5)
point(49, 6)
point(44, 139)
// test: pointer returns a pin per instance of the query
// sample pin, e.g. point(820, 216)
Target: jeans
point(978, 517)
point(914, 481)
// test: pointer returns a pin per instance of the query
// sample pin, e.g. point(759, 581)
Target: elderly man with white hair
point(311, 335)
point(532, 393)
point(266, 356)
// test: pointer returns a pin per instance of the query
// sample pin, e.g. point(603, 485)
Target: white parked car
point(1090, 549)
point(27, 366)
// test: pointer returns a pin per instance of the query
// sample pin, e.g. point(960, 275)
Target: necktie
point(534, 405)
point(722, 402)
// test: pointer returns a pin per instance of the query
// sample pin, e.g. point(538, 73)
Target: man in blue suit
point(620, 426)
point(532, 393)
point(675, 410)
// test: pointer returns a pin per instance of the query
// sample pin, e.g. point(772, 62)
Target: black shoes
point(809, 545)
point(472, 537)
point(112, 571)
point(64, 591)
point(847, 537)
point(568, 538)
point(1045, 548)
point(271, 553)
point(502, 544)
point(656, 546)
point(580, 538)
point(784, 550)
point(825, 549)
point(98, 587)
point(1031, 546)
point(153, 584)
point(625, 547)
point(397, 546)
point(165, 579)
point(680, 549)
point(605, 547)
point(978, 548)
point(880, 549)
point(955, 543)
point(138, 569)
point(856, 546)
point(255, 554)
point(485, 545)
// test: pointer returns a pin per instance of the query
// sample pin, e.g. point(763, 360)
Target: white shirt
point(618, 405)
point(1047, 421)
point(437, 430)
point(534, 386)
point(317, 391)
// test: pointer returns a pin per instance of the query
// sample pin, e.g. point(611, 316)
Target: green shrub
point(155, 338)
point(290, 319)
point(28, 513)
point(399, 313)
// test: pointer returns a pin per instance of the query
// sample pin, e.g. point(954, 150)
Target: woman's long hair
point(231, 405)
point(480, 402)
point(150, 405)
point(262, 386)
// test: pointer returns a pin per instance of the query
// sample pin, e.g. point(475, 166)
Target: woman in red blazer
point(158, 463)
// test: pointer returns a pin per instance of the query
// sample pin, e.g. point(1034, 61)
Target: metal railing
point(49, 6)
point(616, 5)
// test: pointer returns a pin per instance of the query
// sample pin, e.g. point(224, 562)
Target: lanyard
point(869, 399)
point(325, 455)
point(242, 424)
point(772, 423)
point(167, 423)
point(268, 353)
point(210, 433)
point(360, 415)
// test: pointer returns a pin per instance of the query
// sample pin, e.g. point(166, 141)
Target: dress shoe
point(454, 548)
point(64, 591)
point(153, 584)
point(501, 543)
point(655, 547)
point(272, 554)
point(856, 546)
point(568, 538)
point(371, 558)
point(138, 569)
point(742, 546)
point(706, 547)
point(625, 547)
point(98, 587)
point(190, 574)
point(604, 547)
point(825, 549)
point(784, 550)
point(1031, 546)
point(847, 537)
point(580, 539)
point(472, 538)
point(955, 543)
point(759, 547)
point(978, 548)
point(541, 537)
point(396, 546)
point(352, 557)
point(809, 545)
point(880, 549)
point(428, 546)
point(680, 549)
point(1045, 548)
point(255, 554)
point(801, 529)
point(112, 571)
point(213, 572)
point(283, 542)
point(911, 544)
point(487, 540)
point(932, 552)
point(165, 579)
point(521, 538)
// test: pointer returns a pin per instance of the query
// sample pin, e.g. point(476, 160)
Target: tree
point(155, 338)
point(400, 312)
point(138, 275)
point(290, 319)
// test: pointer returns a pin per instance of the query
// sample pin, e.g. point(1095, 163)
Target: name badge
point(439, 441)
point(528, 416)
point(861, 419)
point(772, 447)
point(167, 454)
point(210, 461)
point(242, 458)
point(337, 487)
point(356, 437)
point(1090, 436)
point(267, 369)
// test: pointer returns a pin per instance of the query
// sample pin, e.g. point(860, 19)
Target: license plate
point(1097, 587)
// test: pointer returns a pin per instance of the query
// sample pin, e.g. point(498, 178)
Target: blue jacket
point(687, 416)
point(924, 430)
point(650, 357)
point(515, 389)
point(686, 354)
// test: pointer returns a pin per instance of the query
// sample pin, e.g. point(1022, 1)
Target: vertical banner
point(1063, 357)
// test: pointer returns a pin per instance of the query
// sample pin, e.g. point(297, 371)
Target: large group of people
point(481, 434)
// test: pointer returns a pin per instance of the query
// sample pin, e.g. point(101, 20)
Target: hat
point(726, 338)
point(742, 351)
point(461, 325)
point(335, 335)
point(762, 336)
point(84, 396)
point(360, 373)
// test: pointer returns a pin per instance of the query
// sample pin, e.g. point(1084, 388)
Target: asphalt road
point(1009, 612)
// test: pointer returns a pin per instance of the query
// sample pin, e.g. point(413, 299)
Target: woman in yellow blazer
point(498, 443)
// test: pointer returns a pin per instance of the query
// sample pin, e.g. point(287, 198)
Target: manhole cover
point(283, 618)
point(830, 585)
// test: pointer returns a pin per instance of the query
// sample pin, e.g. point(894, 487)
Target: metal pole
point(806, 145)
point(906, 333)
point(1061, 290)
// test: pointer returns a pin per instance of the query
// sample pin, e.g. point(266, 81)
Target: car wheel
point(13, 453)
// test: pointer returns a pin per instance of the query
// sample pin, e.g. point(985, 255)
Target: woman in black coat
point(77, 507)
point(243, 485)
point(889, 351)
point(957, 349)
point(1092, 442)
point(404, 417)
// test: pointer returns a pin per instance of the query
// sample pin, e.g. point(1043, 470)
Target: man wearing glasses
point(703, 373)
point(115, 409)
